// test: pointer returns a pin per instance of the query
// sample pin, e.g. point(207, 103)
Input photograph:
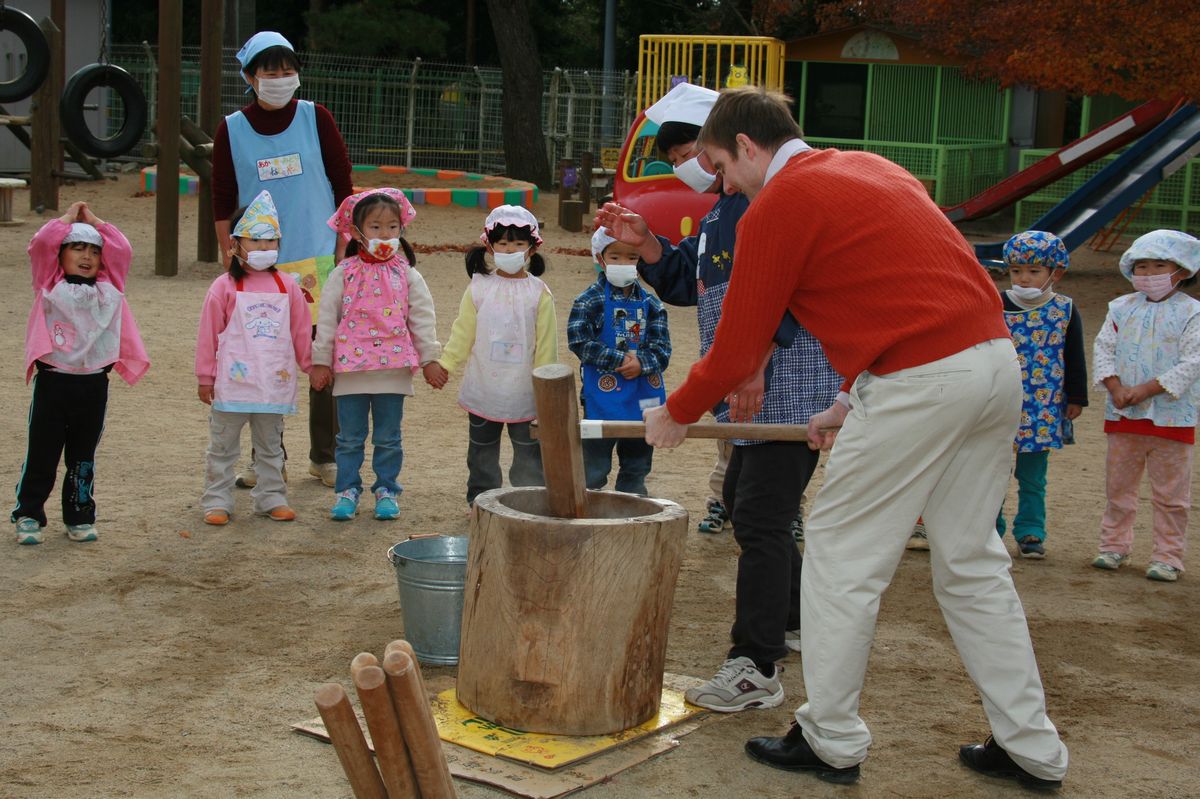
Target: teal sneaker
point(346, 507)
point(386, 508)
point(82, 533)
point(28, 531)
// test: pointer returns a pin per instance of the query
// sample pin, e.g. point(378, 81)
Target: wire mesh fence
point(418, 113)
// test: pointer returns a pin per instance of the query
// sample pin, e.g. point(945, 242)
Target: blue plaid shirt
point(587, 320)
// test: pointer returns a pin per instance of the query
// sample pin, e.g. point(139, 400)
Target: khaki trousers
point(933, 441)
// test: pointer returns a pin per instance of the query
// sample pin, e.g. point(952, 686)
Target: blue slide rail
point(1149, 161)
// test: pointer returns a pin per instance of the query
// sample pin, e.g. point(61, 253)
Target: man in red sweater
point(851, 244)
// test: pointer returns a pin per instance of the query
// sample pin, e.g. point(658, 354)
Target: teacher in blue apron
point(293, 149)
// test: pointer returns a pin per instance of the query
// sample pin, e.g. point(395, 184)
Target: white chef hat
point(686, 103)
point(82, 231)
point(600, 239)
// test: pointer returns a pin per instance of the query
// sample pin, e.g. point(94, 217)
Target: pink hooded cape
point(116, 255)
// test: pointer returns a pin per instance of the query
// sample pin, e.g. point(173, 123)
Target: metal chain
point(104, 23)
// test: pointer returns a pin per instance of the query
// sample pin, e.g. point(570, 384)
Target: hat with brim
point(512, 216)
point(1163, 245)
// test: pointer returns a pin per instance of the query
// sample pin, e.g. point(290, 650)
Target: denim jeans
point(483, 456)
point(1030, 520)
point(634, 458)
point(386, 412)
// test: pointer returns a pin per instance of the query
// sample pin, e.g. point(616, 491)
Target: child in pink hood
point(80, 327)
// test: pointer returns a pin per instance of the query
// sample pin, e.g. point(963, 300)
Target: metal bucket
point(431, 571)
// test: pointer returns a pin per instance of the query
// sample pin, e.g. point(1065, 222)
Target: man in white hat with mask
point(765, 481)
point(293, 149)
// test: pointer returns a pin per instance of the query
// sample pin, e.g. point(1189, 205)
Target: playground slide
point(1097, 144)
point(1157, 156)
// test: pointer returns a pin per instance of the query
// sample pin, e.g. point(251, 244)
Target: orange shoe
point(282, 514)
point(217, 517)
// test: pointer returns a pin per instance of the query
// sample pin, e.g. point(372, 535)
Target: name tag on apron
point(281, 166)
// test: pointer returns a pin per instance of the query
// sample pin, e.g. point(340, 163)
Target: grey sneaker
point(738, 685)
point(918, 540)
point(325, 472)
point(82, 532)
point(1109, 561)
point(28, 531)
point(791, 639)
point(1163, 572)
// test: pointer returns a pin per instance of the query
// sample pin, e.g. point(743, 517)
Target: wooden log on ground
point(562, 451)
point(565, 621)
point(391, 753)
point(348, 742)
point(417, 725)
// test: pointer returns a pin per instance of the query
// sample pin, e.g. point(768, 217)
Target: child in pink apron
point(506, 327)
point(80, 328)
point(253, 342)
point(375, 328)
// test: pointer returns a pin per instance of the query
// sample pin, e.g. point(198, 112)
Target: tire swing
point(37, 54)
point(93, 76)
point(70, 110)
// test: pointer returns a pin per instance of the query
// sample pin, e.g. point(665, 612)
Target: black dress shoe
point(792, 753)
point(988, 758)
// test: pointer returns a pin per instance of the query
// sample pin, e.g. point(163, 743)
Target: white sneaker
point(28, 531)
point(246, 478)
point(1163, 572)
point(325, 472)
point(739, 685)
point(82, 532)
point(791, 639)
point(1109, 561)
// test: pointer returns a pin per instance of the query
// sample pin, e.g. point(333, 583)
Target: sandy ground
point(169, 658)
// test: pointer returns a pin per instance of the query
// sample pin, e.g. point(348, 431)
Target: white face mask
point(510, 262)
point(691, 173)
point(383, 249)
point(1155, 287)
point(621, 275)
point(260, 260)
point(277, 91)
point(1032, 293)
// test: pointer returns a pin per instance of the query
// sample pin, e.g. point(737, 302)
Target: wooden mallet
point(391, 753)
point(417, 725)
point(562, 450)
point(348, 742)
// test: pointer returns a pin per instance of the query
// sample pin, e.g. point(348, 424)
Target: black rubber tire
point(37, 50)
point(70, 110)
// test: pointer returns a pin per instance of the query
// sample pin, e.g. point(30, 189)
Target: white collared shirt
point(782, 156)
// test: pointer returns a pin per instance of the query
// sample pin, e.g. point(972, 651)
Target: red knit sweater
point(853, 246)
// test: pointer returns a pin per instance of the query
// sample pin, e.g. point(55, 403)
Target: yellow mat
point(459, 725)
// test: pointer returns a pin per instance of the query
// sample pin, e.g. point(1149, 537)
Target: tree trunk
point(524, 142)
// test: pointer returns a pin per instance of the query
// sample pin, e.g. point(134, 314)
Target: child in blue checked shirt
point(1048, 334)
point(620, 335)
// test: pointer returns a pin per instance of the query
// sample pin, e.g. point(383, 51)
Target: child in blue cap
point(1048, 335)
